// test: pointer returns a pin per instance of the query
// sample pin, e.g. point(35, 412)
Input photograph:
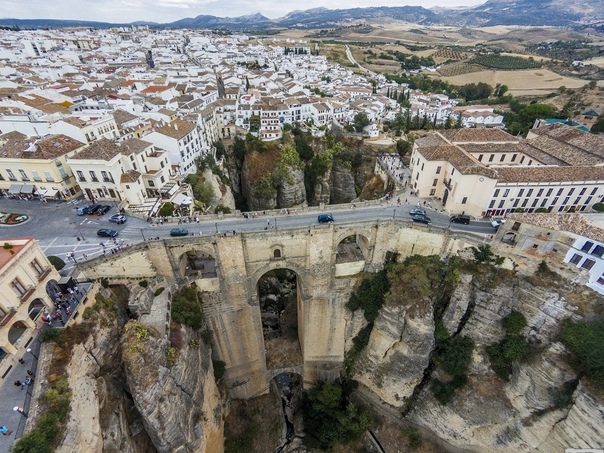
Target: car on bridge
point(106, 233)
point(421, 218)
point(325, 218)
point(460, 218)
point(81, 210)
point(174, 232)
point(417, 211)
point(496, 223)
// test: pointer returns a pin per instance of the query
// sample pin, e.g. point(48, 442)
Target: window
point(480, 157)
point(127, 186)
point(422, 167)
point(93, 176)
point(520, 193)
point(506, 192)
point(277, 253)
point(464, 200)
point(583, 191)
point(36, 176)
point(417, 176)
point(601, 280)
point(566, 200)
point(577, 200)
point(501, 204)
point(598, 251)
point(525, 202)
point(588, 264)
point(555, 201)
point(587, 246)
point(18, 287)
point(434, 183)
point(522, 159)
point(593, 192)
point(502, 158)
point(575, 259)
point(516, 226)
point(432, 192)
point(543, 203)
point(1, 177)
point(571, 191)
point(496, 194)
point(491, 157)
point(24, 176)
point(151, 184)
point(534, 202)
point(81, 177)
point(514, 157)
point(106, 176)
point(530, 162)
point(549, 192)
point(48, 176)
point(452, 171)
point(36, 265)
point(438, 170)
point(491, 204)
point(559, 192)
point(61, 172)
point(540, 192)
point(529, 193)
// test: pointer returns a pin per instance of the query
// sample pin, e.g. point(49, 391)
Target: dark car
point(460, 218)
point(103, 209)
point(421, 218)
point(179, 232)
point(105, 233)
point(118, 218)
point(85, 209)
point(325, 218)
point(417, 211)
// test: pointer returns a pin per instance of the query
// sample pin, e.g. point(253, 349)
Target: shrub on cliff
point(186, 308)
point(584, 340)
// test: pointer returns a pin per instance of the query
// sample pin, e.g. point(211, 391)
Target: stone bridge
point(328, 261)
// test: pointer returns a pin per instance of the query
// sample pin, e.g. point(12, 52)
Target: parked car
point(179, 232)
point(417, 211)
point(106, 233)
point(118, 218)
point(460, 218)
point(103, 209)
point(81, 210)
point(496, 223)
point(325, 218)
point(421, 218)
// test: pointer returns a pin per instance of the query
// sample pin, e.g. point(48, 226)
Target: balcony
point(448, 184)
point(5, 320)
point(45, 272)
point(27, 294)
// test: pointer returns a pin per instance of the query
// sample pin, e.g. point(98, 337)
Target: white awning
point(51, 193)
point(28, 188)
point(15, 188)
point(182, 199)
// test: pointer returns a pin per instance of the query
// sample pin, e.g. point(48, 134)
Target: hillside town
point(123, 114)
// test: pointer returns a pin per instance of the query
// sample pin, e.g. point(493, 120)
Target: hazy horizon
point(162, 11)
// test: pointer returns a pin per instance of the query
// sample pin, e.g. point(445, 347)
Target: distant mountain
point(204, 21)
point(561, 13)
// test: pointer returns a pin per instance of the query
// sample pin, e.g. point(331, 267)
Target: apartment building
point(29, 165)
point(24, 275)
point(126, 174)
point(88, 129)
point(558, 238)
point(180, 138)
point(487, 172)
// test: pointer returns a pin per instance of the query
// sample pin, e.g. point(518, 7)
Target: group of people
point(29, 380)
point(63, 306)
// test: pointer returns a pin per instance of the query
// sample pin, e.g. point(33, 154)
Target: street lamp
point(32, 353)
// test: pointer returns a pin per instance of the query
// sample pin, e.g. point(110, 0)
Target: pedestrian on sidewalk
point(20, 410)
point(4, 430)
point(19, 384)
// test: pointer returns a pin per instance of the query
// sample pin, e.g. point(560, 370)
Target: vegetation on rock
point(513, 348)
point(187, 308)
point(584, 340)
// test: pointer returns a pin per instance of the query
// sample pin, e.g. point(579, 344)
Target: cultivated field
point(527, 82)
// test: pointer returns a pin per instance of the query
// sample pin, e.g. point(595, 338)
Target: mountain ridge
point(560, 13)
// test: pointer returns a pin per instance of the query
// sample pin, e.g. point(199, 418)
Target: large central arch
point(281, 311)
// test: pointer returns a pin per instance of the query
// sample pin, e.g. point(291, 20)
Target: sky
point(126, 11)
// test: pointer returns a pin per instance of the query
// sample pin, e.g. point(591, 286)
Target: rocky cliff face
point(291, 191)
point(342, 184)
point(126, 399)
point(398, 351)
point(488, 414)
point(179, 403)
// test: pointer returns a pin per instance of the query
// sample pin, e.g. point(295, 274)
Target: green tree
point(403, 147)
point(598, 128)
point(219, 147)
point(585, 340)
point(360, 121)
point(57, 262)
point(166, 210)
point(530, 113)
point(202, 190)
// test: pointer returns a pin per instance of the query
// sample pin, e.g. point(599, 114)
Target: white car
point(496, 223)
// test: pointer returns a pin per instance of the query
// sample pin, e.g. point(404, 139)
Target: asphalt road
point(61, 232)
